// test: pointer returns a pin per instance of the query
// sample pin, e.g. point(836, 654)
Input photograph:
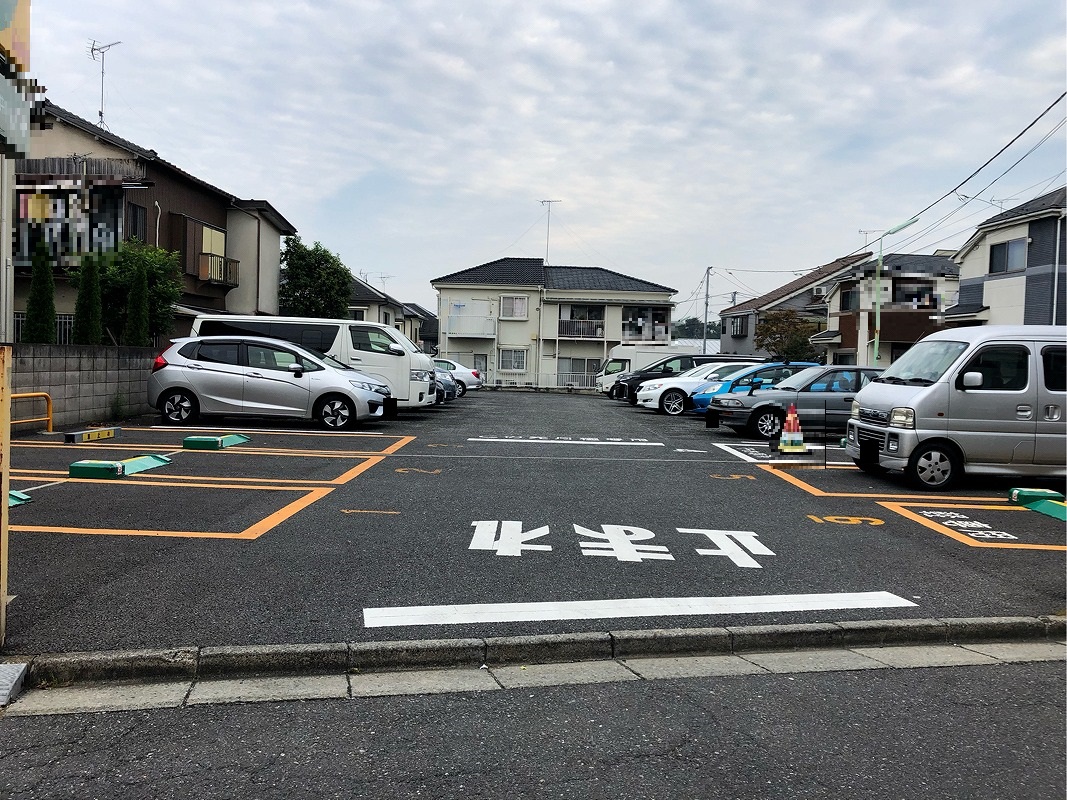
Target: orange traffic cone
point(792, 439)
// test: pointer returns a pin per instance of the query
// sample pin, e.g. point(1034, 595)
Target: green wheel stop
point(17, 498)
point(116, 469)
point(213, 442)
point(1043, 501)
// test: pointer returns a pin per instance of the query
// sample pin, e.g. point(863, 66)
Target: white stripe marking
point(569, 441)
point(640, 607)
point(742, 456)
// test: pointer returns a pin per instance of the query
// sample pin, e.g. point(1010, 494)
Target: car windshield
point(796, 381)
point(723, 371)
point(615, 365)
point(924, 363)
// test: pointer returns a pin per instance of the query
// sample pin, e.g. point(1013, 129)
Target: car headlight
point(650, 387)
point(367, 386)
point(855, 409)
point(711, 388)
point(727, 401)
point(421, 375)
point(902, 418)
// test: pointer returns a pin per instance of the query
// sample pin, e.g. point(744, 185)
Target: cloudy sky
point(416, 138)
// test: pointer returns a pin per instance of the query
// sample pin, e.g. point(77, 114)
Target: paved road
point(981, 733)
point(499, 514)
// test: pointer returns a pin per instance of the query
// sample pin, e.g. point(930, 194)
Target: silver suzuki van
point(982, 400)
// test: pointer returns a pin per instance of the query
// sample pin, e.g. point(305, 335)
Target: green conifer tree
point(40, 324)
point(88, 308)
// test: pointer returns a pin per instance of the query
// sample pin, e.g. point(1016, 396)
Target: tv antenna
point(100, 49)
point(548, 230)
point(867, 234)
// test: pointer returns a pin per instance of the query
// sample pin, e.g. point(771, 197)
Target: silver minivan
point(983, 400)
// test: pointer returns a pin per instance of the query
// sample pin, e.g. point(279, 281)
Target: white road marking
point(567, 441)
point(739, 454)
point(288, 431)
point(640, 607)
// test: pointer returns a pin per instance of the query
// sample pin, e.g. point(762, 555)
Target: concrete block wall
point(87, 384)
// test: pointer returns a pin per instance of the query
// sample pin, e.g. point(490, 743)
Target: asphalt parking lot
point(502, 513)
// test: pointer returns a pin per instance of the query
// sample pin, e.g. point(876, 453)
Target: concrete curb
point(61, 669)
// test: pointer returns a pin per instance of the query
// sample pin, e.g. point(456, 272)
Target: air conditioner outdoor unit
point(818, 291)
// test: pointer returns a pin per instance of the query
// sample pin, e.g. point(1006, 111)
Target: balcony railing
point(462, 325)
point(581, 328)
point(219, 269)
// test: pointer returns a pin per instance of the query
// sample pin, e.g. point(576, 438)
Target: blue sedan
point(742, 381)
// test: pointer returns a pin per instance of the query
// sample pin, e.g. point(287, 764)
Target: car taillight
point(159, 363)
point(475, 373)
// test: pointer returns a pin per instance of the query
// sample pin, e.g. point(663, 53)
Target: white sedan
point(668, 394)
point(464, 377)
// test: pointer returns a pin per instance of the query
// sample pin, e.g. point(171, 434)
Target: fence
point(543, 380)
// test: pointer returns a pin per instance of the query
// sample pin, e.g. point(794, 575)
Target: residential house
point(913, 289)
point(1012, 269)
point(806, 295)
point(421, 326)
point(368, 303)
point(521, 322)
point(84, 189)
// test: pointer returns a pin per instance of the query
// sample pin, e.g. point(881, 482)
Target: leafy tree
point(88, 310)
point(136, 331)
point(40, 324)
point(692, 328)
point(784, 334)
point(118, 274)
point(314, 282)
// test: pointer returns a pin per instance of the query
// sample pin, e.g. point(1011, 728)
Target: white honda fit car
point(252, 376)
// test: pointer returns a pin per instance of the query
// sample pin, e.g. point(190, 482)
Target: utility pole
point(548, 230)
point(707, 287)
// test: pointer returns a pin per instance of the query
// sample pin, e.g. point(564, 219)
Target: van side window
point(218, 327)
point(313, 336)
point(1054, 365)
point(370, 340)
point(1003, 367)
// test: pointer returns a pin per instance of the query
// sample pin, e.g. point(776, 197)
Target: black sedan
point(822, 395)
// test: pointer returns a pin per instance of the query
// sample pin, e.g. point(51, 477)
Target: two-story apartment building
point(913, 296)
point(1012, 269)
point(806, 295)
point(522, 322)
point(84, 189)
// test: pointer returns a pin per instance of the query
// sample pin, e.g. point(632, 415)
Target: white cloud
point(750, 134)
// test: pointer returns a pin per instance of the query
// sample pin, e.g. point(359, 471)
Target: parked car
point(625, 386)
point(445, 387)
point(744, 380)
point(985, 400)
point(822, 396)
point(669, 394)
point(253, 376)
point(465, 378)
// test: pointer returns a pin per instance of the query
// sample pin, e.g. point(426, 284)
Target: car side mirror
point(756, 383)
point(296, 369)
point(972, 380)
point(396, 350)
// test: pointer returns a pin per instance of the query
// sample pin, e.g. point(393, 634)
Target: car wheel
point(631, 396)
point(461, 388)
point(766, 423)
point(179, 407)
point(336, 413)
point(934, 466)
point(672, 402)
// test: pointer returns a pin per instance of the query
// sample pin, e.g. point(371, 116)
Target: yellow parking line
point(789, 477)
point(899, 508)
